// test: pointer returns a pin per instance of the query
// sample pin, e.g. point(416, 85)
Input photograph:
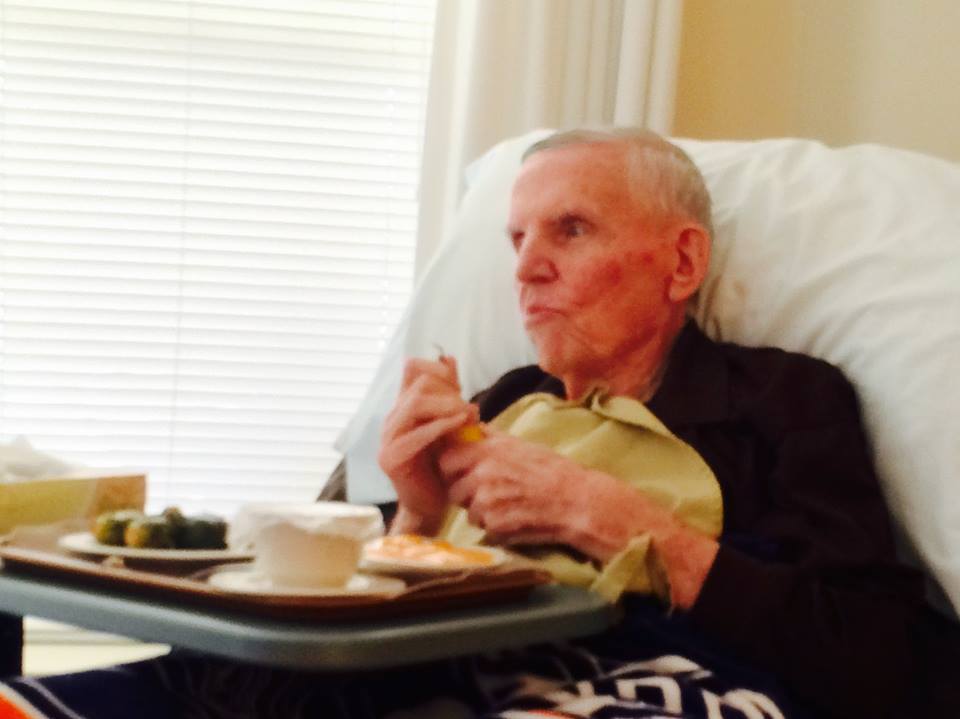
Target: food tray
point(37, 555)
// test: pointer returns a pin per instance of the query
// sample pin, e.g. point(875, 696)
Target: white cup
point(307, 545)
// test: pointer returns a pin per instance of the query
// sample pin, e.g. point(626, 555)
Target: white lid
point(356, 521)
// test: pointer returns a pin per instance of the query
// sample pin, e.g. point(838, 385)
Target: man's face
point(592, 274)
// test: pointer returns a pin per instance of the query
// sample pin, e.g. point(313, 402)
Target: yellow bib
point(621, 437)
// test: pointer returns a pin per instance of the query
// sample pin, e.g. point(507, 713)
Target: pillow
point(851, 255)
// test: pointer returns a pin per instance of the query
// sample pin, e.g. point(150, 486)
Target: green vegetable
point(109, 527)
point(203, 532)
point(177, 523)
point(169, 530)
point(149, 533)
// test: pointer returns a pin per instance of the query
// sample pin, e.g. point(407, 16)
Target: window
point(208, 228)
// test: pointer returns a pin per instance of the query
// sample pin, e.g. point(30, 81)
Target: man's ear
point(692, 260)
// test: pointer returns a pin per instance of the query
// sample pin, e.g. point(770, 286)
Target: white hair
point(663, 179)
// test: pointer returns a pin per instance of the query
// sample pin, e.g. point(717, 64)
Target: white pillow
point(851, 255)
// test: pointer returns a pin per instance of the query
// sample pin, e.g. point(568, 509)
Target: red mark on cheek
point(606, 274)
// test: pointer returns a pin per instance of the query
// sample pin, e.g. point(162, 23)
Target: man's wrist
point(615, 513)
point(687, 556)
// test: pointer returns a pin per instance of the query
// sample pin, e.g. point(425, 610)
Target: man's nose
point(534, 261)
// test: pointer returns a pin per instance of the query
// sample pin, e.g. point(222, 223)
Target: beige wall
point(841, 71)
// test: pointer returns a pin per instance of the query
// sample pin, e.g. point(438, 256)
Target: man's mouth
point(538, 313)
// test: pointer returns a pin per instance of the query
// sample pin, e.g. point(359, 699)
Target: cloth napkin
point(621, 437)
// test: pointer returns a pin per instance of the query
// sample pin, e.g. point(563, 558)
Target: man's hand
point(524, 493)
point(428, 407)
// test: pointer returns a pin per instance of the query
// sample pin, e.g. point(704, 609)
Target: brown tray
point(36, 554)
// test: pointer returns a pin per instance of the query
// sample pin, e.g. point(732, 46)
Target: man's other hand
point(520, 493)
point(428, 407)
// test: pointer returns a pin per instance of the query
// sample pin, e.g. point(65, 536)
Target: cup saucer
point(247, 580)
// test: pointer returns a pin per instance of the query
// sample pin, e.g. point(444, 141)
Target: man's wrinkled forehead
point(598, 172)
point(609, 157)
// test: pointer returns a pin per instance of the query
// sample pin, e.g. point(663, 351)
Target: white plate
point(371, 563)
point(249, 581)
point(84, 543)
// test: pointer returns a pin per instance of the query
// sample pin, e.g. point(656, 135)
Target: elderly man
point(727, 494)
point(612, 238)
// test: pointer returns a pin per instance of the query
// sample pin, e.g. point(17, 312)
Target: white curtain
point(503, 67)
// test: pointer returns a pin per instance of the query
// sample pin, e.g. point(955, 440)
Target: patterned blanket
point(666, 686)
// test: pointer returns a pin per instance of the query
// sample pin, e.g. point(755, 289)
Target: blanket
point(664, 686)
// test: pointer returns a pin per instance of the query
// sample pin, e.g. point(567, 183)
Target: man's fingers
point(450, 362)
point(457, 457)
point(444, 370)
point(461, 491)
point(409, 414)
point(405, 446)
point(516, 539)
point(425, 399)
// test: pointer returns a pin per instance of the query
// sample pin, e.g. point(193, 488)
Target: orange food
point(423, 550)
point(470, 433)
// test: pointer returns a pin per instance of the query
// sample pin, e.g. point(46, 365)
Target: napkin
point(621, 437)
point(20, 462)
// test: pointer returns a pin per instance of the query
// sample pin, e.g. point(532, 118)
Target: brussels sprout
point(149, 533)
point(177, 522)
point(174, 516)
point(109, 527)
point(205, 531)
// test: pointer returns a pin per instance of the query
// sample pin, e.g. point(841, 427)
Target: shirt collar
point(694, 389)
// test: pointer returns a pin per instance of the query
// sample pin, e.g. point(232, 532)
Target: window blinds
point(208, 215)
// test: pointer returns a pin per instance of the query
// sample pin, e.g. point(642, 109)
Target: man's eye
point(574, 228)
